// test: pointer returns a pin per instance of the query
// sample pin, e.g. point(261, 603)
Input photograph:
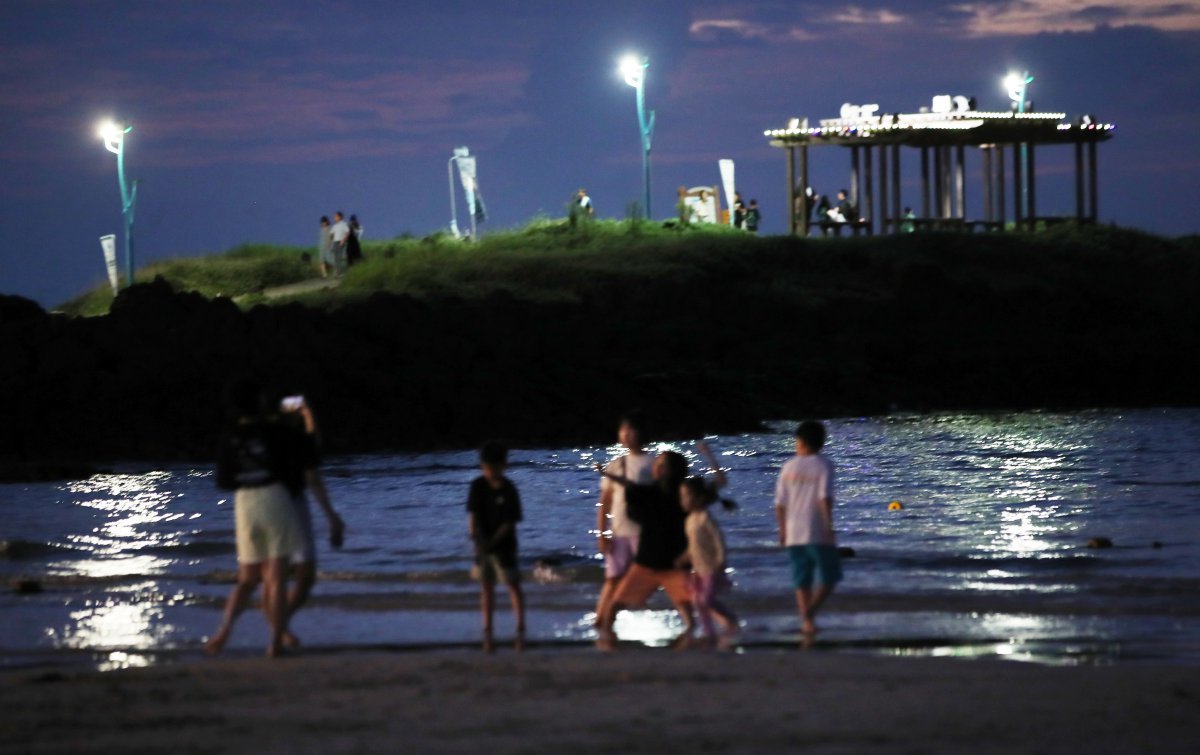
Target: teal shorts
point(815, 563)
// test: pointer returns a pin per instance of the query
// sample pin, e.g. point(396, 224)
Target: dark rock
point(25, 586)
point(1100, 542)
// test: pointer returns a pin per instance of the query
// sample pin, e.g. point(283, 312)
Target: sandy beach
point(581, 701)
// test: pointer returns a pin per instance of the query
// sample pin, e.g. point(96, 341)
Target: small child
point(494, 509)
point(804, 511)
point(706, 554)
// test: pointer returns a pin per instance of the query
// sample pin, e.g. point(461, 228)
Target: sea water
point(987, 553)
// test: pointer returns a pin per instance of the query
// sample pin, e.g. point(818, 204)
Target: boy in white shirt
point(804, 511)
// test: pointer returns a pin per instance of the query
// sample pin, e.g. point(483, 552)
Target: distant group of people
point(653, 526)
point(824, 215)
point(745, 216)
point(339, 245)
point(827, 217)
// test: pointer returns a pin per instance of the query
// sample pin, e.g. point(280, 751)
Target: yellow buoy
point(895, 506)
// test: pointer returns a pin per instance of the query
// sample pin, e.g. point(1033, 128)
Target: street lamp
point(114, 141)
point(1017, 85)
point(633, 69)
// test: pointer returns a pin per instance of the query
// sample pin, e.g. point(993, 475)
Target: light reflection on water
point(994, 505)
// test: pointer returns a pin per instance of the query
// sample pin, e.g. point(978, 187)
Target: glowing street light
point(113, 136)
point(633, 69)
point(1016, 84)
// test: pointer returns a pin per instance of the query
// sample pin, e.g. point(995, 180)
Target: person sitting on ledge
point(846, 209)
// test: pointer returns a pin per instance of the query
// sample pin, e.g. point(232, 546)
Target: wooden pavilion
point(942, 133)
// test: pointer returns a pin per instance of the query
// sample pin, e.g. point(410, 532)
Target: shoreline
point(635, 702)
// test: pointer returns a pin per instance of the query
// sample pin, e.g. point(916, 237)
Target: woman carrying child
point(656, 508)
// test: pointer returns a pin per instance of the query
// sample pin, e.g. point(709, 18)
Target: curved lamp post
point(114, 141)
point(633, 68)
point(1017, 84)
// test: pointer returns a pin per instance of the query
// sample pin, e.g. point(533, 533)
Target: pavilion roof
point(966, 127)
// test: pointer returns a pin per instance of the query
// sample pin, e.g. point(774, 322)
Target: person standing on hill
point(753, 216)
point(325, 247)
point(353, 247)
point(340, 231)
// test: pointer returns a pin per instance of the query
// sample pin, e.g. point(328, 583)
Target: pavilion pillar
point(1018, 181)
point(1079, 182)
point(1031, 179)
point(924, 182)
point(855, 171)
point(791, 191)
point(939, 186)
point(960, 183)
point(1093, 189)
point(985, 154)
point(947, 183)
point(896, 186)
point(802, 220)
point(999, 167)
point(866, 209)
point(883, 189)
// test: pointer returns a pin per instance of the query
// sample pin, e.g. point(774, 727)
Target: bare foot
point(290, 640)
point(809, 628)
point(488, 645)
point(684, 641)
point(216, 643)
point(606, 641)
point(275, 650)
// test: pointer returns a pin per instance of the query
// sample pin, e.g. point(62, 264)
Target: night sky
point(253, 119)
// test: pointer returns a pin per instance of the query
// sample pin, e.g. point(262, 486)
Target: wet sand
point(580, 701)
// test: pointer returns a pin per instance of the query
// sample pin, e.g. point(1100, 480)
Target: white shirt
point(803, 483)
point(638, 468)
point(339, 231)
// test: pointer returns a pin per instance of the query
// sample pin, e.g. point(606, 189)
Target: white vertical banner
point(466, 172)
point(108, 244)
point(728, 184)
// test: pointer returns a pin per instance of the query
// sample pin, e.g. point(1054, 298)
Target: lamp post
point(1017, 84)
point(633, 68)
point(114, 141)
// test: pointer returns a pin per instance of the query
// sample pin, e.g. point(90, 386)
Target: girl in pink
point(706, 554)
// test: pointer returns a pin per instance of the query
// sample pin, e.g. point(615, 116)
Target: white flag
point(466, 172)
point(109, 245)
point(730, 186)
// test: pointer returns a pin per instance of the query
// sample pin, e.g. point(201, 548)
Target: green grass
point(549, 260)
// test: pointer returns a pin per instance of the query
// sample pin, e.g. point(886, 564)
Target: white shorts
point(267, 525)
point(618, 559)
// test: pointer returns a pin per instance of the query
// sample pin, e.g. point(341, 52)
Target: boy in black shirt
point(494, 508)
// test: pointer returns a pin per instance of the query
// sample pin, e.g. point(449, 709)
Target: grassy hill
point(543, 334)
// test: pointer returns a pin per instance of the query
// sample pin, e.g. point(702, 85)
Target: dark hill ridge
point(779, 328)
